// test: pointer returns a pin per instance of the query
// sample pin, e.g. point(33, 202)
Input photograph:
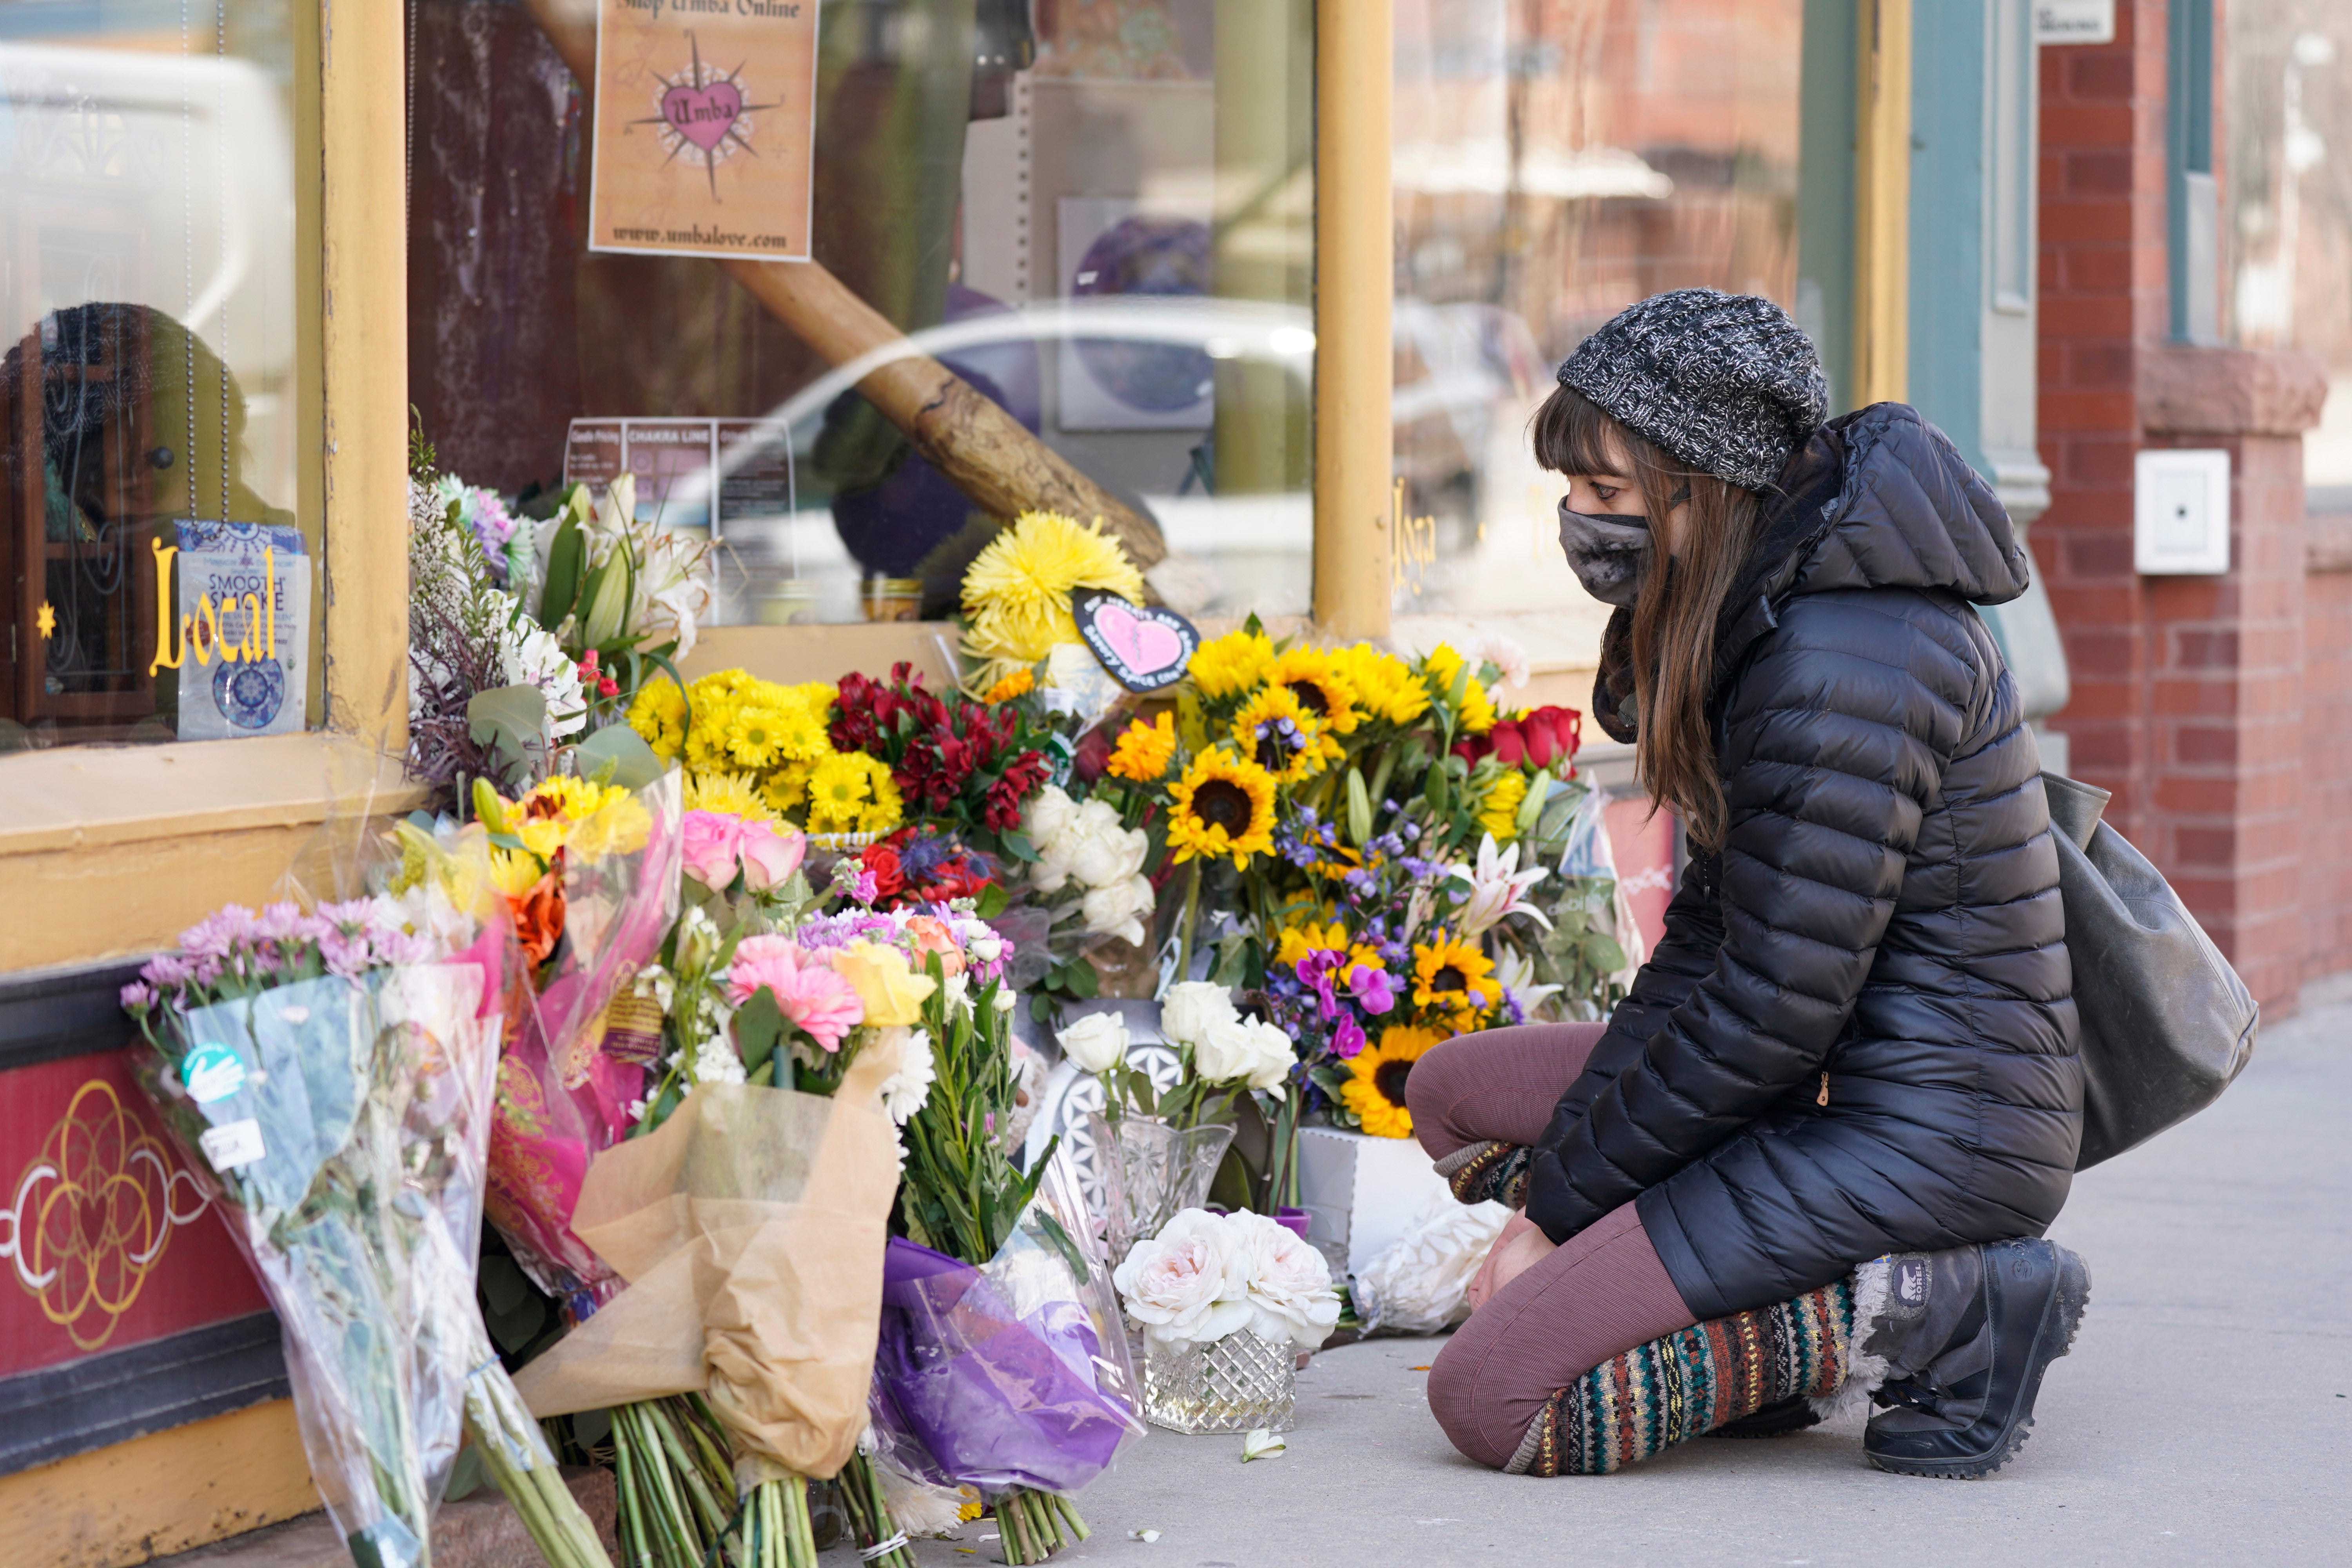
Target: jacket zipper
point(1824, 1098)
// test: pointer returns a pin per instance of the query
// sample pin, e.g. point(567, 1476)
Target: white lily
point(1516, 973)
point(1498, 889)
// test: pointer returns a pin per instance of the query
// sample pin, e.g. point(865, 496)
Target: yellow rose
point(893, 992)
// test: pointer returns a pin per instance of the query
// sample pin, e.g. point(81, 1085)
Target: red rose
point(1552, 734)
point(1509, 745)
point(883, 861)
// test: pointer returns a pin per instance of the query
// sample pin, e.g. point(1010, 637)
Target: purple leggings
point(1600, 1294)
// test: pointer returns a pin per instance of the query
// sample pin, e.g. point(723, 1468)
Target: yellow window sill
point(121, 847)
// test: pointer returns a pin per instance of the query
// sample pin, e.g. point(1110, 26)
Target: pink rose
point(770, 855)
point(714, 841)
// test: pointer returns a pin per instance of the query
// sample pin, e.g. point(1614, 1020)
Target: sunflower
point(1282, 737)
point(1020, 683)
point(1017, 593)
point(1441, 665)
point(1376, 1080)
point(730, 794)
point(1230, 665)
point(1222, 805)
point(1301, 943)
point(1384, 686)
point(1453, 975)
point(1144, 750)
point(1501, 815)
point(1314, 677)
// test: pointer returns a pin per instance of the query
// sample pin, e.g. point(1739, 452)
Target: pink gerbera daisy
point(815, 1000)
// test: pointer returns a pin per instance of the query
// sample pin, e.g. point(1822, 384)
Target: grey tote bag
point(2166, 1022)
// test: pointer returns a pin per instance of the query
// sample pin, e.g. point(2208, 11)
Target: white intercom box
point(2180, 511)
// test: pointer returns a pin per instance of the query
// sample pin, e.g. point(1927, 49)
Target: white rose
point(1118, 910)
point(1099, 850)
point(1047, 823)
point(1257, 1053)
point(1288, 1283)
point(1097, 1042)
point(1192, 1006)
point(1186, 1283)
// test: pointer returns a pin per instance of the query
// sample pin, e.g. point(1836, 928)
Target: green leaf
point(467, 1475)
point(1041, 1008)
point(508, 721)
point(1059, 1240)
point(634, 763)
point(758, 1027)
point(564, 559)
point(1079, 979)
point(1017, 845)
point(1233, 961)
point(992, 901)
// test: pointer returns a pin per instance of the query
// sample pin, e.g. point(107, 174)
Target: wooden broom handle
point(984, 452)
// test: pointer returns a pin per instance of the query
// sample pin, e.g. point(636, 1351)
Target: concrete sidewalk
point(2205, 1415)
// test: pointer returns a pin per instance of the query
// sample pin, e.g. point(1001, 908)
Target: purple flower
point(218, 932)
point(865, 889)
point(166, 971)
point(1374, 991)
point(138, 996)
point(1348, 1039)
point(348, 955)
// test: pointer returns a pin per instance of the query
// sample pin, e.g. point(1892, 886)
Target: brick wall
point(2326, 772)
point(2192, 701)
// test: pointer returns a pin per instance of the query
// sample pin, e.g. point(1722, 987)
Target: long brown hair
point(1673, 642)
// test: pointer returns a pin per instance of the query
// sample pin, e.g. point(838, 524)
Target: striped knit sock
point(1689, 1383)
point(1477, 1172)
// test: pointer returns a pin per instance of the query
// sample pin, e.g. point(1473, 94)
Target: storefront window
point(2288, 195)
point(1097, 213)
point(1556, 160)
point(158, 561)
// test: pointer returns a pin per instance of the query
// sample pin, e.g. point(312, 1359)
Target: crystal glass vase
point(1237, 1384)
point(1148, 1172)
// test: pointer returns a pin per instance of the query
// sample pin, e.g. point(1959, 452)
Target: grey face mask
point(1610, 554)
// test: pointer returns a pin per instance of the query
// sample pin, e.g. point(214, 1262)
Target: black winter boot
point(1956, 1343)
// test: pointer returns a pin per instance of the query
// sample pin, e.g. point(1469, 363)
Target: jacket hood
point(1906, 512)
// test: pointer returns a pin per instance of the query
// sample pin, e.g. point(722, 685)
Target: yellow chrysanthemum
point(1144, 750)
point(571, 798)
point(620, 827)
point(1275, 730)
point(730, 795)
point(1385, 687)
point(803, 715)
point(1453, 976)
point(1376, 1080)
point(1500, 814)
point(658, 714)
point(1020, 683)
point(542, 836)
point(514, 872)
point(1316, 677)
point(756, 738)
point(850, 792)
point(1016, 596)
point(887, 810)
point(1222, 805)
point(1230, 665)
point(787, 788)
point(1441, 666)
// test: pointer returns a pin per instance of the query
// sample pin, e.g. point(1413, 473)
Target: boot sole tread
point(2072, 1299)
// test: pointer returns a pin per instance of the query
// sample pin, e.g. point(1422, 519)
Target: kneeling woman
point(1824, 1133)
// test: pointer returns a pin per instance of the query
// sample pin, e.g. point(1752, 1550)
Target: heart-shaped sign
point(703, 115)
point(1145, 647)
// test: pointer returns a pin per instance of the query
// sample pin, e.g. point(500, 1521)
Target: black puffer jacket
point(1882, 928)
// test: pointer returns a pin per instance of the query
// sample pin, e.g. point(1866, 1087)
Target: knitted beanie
point(1727, 382)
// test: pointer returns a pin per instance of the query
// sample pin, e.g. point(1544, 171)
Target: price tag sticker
point(233, 1143)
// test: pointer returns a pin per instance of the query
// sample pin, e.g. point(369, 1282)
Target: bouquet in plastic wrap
point(588, 873)
point(1003, 1364)
point(329, 1076)
point(748, 1216)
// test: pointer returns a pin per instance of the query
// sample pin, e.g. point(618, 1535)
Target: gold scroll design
point(91, 1213)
